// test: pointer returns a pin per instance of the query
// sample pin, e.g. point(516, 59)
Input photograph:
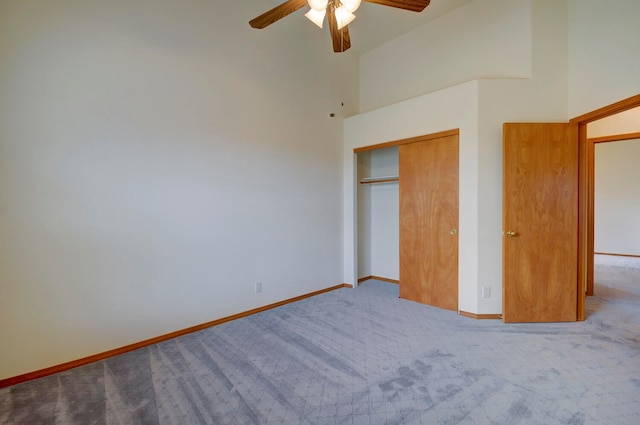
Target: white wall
point(156, 160)
point(604, 37)
point(617, 197)
point(443, 110)
point(484, 39)
point(541, 98)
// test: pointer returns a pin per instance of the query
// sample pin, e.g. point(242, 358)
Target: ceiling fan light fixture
point(316, 16)
point(339, 12)
point(343, 17)
point(318, 4)
point(351, 5)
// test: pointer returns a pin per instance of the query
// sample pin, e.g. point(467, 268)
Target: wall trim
point(614, 108)
point(480, 316)
point(117, 351)
point(454, 132)
point(617, 255)
point(384, 279)
point(614, 138)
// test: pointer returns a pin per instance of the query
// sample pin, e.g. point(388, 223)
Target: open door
point(540, 223)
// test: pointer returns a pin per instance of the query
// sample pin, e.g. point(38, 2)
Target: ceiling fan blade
point(340, 37)
point(277, 13)
point(413, 5)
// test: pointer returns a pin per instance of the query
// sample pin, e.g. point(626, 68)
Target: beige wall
point(484, 39)
point(603, 65)
point(156, 160)
point(617, 197)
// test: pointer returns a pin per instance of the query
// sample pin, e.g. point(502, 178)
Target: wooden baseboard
point(384, 279)
point(480, 316)
point(111, 353)
point(617, 255)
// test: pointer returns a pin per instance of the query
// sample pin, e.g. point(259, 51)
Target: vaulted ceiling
point(375, 24)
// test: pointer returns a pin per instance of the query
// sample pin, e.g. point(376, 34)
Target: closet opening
point(378, 215)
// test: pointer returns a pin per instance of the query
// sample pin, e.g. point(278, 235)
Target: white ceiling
point(376, 24)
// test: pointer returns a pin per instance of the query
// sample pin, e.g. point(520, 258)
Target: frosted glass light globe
point(316, 16)
point(343, 17)
point(351, 5)
point(318, 4)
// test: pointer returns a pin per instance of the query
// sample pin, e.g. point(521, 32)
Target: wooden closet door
point(428, 182)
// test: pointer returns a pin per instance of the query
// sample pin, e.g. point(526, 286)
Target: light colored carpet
point(361, 356)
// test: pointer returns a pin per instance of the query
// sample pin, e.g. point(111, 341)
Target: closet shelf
point(375, 180)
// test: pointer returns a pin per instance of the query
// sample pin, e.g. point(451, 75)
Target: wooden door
point(428, 189)
point(540, 223)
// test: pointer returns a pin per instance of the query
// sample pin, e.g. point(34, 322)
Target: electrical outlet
point(486, 292)
point(258, 287)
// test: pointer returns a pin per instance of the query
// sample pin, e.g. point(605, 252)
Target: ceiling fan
point(339, 13)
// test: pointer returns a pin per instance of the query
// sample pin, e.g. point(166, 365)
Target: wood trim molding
point(454, 132)
point(621, 106)
point(590, 200)
point(617, 255)
point(579, 134)
point(111, 353)
point(384, 279)
point(585, 217)
point(480, 316)
point(590, 211)
point(614, 138)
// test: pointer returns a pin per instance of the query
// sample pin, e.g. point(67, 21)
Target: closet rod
point(374, 180)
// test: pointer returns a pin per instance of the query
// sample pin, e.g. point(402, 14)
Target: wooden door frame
point(432, 136)
point(578, 128)
point(591, 143)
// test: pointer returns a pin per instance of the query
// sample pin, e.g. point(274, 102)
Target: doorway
point(615, 200)
point(378, 209)
point(586, 183)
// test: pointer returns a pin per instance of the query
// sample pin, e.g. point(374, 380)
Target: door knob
point(453, 231)
point(511, 233)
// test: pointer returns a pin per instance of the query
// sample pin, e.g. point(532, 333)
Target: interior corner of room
point(155, 177)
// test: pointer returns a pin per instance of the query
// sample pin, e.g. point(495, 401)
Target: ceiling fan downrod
point(340, 14)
